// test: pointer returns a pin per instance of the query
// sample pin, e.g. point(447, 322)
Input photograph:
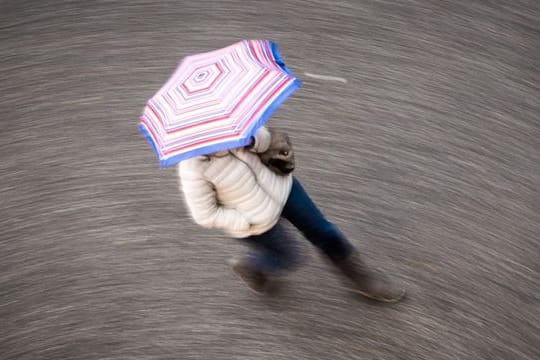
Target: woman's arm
point(260, 141)
point(203, 204)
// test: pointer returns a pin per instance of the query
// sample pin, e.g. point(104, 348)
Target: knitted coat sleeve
point(201, 200)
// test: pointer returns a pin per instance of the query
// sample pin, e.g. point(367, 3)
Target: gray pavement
point(427, 158)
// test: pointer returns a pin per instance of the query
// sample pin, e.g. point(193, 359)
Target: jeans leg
point(272, 251)
point(306, 217)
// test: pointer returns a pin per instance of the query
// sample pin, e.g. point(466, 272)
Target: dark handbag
point(280, 155)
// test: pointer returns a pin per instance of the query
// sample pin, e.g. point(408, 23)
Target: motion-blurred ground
point(428, 158)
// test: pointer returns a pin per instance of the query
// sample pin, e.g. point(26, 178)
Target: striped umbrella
point(216, 101)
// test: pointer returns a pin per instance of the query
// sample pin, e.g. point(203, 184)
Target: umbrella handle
point(251, 143)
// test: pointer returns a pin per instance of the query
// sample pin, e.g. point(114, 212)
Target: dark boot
point(255, 279)
point(369, 283)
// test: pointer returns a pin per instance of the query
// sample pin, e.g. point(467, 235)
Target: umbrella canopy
point(216, 101)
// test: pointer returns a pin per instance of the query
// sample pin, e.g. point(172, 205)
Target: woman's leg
point(273, 251)
point(306, 217)
point(270, 254)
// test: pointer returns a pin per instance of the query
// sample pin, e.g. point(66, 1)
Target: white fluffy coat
point(234, 191)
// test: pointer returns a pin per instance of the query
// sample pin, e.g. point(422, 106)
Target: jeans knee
point(325, 232)
point(331, 241)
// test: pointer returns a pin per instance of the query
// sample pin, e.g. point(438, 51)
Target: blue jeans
point(274, 250)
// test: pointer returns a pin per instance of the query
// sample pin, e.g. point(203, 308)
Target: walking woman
point(237, 192)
